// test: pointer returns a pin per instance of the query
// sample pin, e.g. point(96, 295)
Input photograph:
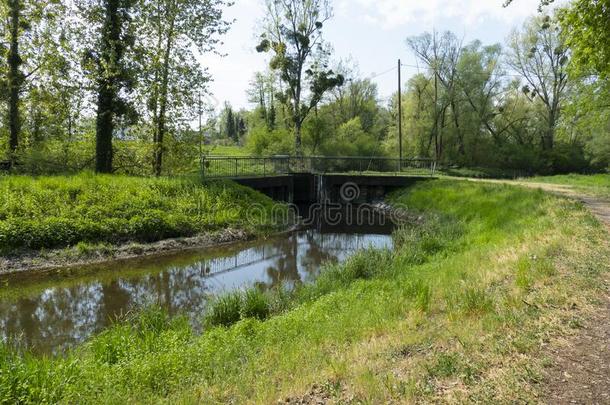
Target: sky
point(371, 33)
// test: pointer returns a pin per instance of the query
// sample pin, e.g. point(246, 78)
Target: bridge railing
point(225, 166)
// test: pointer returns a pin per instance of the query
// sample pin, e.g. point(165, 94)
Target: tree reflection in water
point(52, 313)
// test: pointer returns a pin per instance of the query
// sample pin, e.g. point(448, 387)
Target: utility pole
point(200, 135)
point(399, 112)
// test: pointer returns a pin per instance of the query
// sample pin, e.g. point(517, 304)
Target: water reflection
point(58, 310)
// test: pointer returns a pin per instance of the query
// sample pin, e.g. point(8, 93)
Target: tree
point(24, 18)
point(541, 6)
point(170, 35)
point(482, 87)
point(541, 57)
point(586, 29)
point(15, 77)
point(293, 32)
point(240, 126)
point(440, 54)
point(356, 98)
point(262, 92)
point(110, 66)
point(230, 129)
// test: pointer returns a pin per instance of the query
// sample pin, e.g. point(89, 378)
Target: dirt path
point(580, 371)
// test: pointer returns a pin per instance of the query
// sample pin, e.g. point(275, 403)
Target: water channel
point(49, 312)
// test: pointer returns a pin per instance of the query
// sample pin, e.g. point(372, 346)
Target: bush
point(262, 142)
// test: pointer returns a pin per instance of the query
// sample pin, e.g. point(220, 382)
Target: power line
point(376, 75)
point(517, 75)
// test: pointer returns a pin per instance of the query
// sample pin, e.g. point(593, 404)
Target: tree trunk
point(15, 78)
point(298, 120)
point(104, 128)
point(298, 143)
point(107, 87)
point(548, 138)
point(158, 165)
point(161, 127)
point(458, 129)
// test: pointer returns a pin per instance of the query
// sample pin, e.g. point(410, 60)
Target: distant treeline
point(117, 86)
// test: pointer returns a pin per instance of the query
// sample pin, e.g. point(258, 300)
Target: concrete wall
point(304, 189)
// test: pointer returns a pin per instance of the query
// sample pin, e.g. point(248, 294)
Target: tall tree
point(262, 92)
point(293, 32)
point(230, 128)
point(24, 18)
point(110, 67)
point(440, 54)
point(539, 55)
point(586, 29)
point(240, 126)
point(171, 34)
point(15, 77)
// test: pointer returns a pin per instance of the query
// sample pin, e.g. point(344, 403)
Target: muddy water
point(49, 312)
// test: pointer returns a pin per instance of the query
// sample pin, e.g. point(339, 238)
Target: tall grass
point(61, 211)
point(464, 301)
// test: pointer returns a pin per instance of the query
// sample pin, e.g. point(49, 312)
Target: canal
point(51, 311)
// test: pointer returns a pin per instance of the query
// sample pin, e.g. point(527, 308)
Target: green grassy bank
point(598, 184)
point(461, 310)
point(61, 211)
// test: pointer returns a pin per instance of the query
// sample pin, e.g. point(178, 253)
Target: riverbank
point(461, 310)
point(59, 221)
point(92, 254)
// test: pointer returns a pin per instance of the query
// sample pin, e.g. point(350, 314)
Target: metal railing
point(226, 166)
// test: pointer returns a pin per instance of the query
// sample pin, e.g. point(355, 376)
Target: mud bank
point(97, 254)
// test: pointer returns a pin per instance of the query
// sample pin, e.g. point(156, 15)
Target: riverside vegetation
point(62, 211)
point(460, 310)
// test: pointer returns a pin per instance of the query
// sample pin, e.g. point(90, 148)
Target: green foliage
point(230, 308)
point(446, 365)
point(225, 311)
point(351, 140)
point(293, 32)
point(262, 142)
point(455, 280)
point(586, 26)
point(50, 212)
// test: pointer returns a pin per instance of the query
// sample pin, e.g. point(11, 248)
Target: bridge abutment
point(302, 189)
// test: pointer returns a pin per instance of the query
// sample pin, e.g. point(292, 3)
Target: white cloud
point(392, 13)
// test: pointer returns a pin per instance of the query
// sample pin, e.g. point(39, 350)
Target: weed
point(225, 310)
point(446, 365)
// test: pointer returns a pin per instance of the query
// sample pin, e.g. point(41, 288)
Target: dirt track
point(580, 370)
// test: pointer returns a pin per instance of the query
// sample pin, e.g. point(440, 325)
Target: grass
point(460, 311)
point(480, 173)
point(232, 151)
point(598, 184)
point(62, 211)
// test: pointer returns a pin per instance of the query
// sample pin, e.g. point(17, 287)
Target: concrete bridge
point(306, 180)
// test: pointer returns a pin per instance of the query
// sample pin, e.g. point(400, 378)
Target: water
point(52, 311)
